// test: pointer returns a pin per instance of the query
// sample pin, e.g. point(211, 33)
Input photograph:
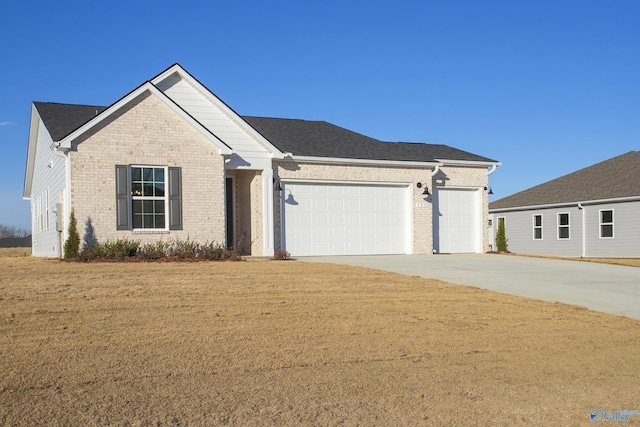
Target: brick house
point(170, 160)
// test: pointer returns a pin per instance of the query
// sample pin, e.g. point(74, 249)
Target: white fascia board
point(211, 97)
point(65, 143)
point(367, 162)
point(446, 162)
point(34, 125)
point(567, 204)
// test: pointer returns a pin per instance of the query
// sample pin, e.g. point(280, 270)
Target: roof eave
point(372, 162)
point(483, 163)
point(34, 125)
point(565, 204)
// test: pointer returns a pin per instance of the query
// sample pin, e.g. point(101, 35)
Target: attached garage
point(346, 219)
point(457, 221)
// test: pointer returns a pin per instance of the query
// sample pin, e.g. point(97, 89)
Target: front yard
point(290, 343)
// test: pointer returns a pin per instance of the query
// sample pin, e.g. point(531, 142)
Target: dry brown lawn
point(291, 343)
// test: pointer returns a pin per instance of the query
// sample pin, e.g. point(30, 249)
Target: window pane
point(537, 233)
point(606, 217)
point(137, 207)
point(159, 190)
point(537, 220)
point(148, 221)
point(136, 189)
point(136, 174)
point(159, 175)
point(147, 206)
point(563, 219)
point(159, 206)
point(606, 231)
point(563, 232)
point(137, 221)
point(159, 221)
point(147, 174)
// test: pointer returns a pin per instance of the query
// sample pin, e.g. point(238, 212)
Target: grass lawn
point(292, 343)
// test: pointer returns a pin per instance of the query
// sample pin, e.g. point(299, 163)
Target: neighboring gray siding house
point(594, 212)
point(170, 160)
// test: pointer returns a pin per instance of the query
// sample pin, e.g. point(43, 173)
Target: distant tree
point(8, 231)
point(72, 245)
point(501, 237)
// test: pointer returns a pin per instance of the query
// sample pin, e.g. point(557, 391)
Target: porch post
point(267, 212)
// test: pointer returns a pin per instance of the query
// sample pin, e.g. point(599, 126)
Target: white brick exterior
point(148, 132)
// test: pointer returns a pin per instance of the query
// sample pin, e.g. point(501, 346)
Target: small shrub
point(72, 245)
point(501, 238)
point(184, 249)
point(281, 255)
point(154, 251)
point(118, 249)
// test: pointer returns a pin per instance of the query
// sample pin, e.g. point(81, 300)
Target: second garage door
point(346, 219)
point(457, 221)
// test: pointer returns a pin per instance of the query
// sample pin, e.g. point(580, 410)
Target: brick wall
point(147, 132)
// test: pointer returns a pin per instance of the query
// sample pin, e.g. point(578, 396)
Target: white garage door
point(457, 219)
point(345, 219)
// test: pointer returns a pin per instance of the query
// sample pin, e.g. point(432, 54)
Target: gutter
point(347, 161)
point(566, 204)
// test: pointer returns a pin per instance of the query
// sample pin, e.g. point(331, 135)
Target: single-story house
point(170, 160)
point(592, 212)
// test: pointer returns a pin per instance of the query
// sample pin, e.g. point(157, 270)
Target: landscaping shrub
point(281, 255)
point(501, 238)
point(72, 245)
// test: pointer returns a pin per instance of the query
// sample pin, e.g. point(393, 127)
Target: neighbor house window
point(537, 227)
point(563, 226)
point(606, 223)
point(148, 198)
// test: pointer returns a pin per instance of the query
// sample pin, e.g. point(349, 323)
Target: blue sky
point(545, 87)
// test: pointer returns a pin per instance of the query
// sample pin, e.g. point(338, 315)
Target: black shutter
point(175, 198)
point(123, 210)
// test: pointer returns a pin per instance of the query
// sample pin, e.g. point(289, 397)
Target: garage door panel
point(341, 219)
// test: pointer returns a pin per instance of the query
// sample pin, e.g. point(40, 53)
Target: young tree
point(72, 245)
point(501, 237)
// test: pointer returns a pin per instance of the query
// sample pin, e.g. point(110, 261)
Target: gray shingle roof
point(618, 177)
point(300, 137)
point(62, 119)
point(323, 139)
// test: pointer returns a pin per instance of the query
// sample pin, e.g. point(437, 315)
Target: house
point(592, 212)
point(170, 160)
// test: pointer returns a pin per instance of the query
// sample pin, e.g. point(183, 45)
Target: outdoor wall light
point(490, 190)
point(426, 189)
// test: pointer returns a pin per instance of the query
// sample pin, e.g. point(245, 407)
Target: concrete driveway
point(607, 288)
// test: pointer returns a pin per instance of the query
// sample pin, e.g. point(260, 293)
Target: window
point(537, 227)
point(563, 226)
point(606, 223)
point(147, 191)
point(148, 198)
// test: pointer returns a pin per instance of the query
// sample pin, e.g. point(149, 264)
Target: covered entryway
point(346, 219)
point(456, 221)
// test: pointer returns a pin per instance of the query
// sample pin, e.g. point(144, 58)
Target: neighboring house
point(593, 212)
point(170, 160)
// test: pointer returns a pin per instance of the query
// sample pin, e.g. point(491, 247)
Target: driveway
point(602, 287)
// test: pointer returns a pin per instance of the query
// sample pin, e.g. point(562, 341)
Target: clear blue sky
point(545, 87)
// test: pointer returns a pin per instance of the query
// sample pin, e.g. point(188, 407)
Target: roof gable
point(616, 178)
point(62, 119)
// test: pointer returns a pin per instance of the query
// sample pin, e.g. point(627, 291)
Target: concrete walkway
point(602, 287)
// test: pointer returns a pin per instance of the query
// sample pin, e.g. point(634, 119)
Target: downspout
point(66, 192)
point(492, 170)
point(584, 228)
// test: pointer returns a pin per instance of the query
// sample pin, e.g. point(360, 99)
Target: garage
point(346, 219)
point(456, 221)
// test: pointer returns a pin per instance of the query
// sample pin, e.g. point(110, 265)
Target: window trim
point(567, 226)
point(601, 224)
point(164, 198)
point(537, 227)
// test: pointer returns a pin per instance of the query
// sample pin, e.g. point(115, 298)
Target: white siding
point(249, 154)
point(48, 180)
